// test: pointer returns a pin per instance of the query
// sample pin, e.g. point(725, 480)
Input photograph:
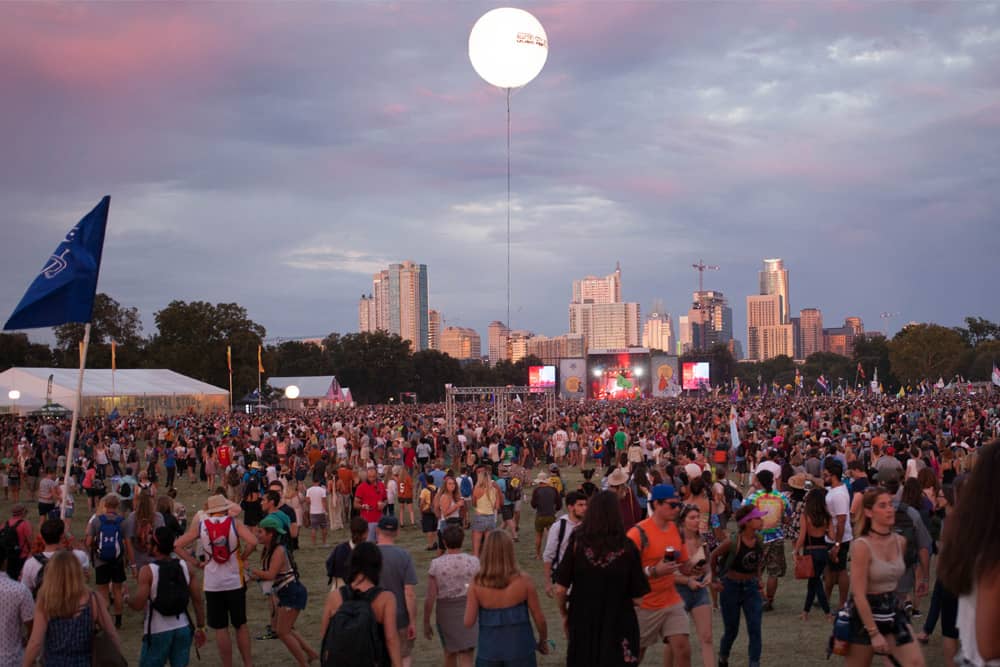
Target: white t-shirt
point(317, 499)
point(391, 491)
point(32, 567)
point(221, 576)
point(838, 503)
point(163, 623)
point(771, 466)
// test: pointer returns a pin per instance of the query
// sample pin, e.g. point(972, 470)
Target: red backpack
point(218, 539)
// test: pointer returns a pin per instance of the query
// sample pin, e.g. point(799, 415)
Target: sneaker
point(268, 634)
point(916, 613)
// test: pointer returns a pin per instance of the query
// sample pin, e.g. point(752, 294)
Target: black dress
point(603, 628)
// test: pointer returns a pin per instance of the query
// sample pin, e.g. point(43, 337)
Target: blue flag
point(64, 290)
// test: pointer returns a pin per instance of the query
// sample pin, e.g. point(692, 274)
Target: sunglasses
point(673, 504)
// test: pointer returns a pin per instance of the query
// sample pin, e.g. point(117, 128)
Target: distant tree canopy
point(191, 338)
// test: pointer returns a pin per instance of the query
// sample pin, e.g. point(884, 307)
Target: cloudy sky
point(276, 154)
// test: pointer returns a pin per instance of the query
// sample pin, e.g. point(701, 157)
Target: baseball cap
point(388, 522)
point(663, 492)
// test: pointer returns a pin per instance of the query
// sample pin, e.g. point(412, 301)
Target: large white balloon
point(508, 47)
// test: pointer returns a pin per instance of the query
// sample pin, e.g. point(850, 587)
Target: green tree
point(926, 351)
point(375, 365)
point(780, 369)
point(980, 366)
point(431, 371)
point(294, 357)
point(192, 337)
point(871, 350)
point(833, 367)
point(978, 330)
point(17, 350)
point(111, 322)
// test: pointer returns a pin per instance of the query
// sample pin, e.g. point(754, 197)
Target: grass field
point(787, 640)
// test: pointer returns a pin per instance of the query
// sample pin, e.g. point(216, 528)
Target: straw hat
point(218, 504)
point(799, 481)
point(542, 478)
point(618, 477)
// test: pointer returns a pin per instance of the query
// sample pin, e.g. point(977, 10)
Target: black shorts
point(45, 508)
point(110, 573)
point(507, 512)
point(428, 522)
point(224, 608)
point(843, 555)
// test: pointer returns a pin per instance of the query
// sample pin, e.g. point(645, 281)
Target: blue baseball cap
point(663, 492)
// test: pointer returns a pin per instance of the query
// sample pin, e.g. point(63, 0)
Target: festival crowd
point(687, 508)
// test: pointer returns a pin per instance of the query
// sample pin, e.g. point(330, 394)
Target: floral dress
point(603, 628)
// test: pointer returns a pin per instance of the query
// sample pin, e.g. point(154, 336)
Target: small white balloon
point(291, 392)
point(508, 47)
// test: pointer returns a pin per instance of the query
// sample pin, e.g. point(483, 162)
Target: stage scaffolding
point(502, 397)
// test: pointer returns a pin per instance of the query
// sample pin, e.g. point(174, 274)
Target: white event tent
point(156, 391)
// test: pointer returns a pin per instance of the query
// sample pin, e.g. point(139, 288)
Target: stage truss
point(501, 403)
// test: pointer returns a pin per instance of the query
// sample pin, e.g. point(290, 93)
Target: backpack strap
point(643, 538)
point(563, 521)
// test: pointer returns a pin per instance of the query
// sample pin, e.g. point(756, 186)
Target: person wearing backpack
point(358, 626)
point(278, 571)
point(165, 587)
point(917, 541)
point(33, 572)
point(106, 540)
point(222, 536)
point(558, 538)
point(15, 540)
point(138, 529)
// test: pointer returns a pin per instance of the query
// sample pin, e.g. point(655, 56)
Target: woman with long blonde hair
point(486, 500)
point(503, 600)
point(65, 615)
point(448, 503)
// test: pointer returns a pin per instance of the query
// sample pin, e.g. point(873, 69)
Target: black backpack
point(353, 638)
point(172, 592)
point(904, 526)
point(732, 496)
point(9, 542)
point(43, 560)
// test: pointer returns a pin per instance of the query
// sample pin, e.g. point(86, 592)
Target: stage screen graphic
point(696, 375)
point(619, 375)
point(572, 378)
point(541, 377)
point(666, 378)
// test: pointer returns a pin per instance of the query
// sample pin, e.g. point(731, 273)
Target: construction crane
point(701, 267)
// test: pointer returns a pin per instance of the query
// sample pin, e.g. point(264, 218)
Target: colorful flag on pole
point(65, 288)
point(823, 384)
point(996, 375)
point(901, 393)
point(114, 365)
point(734, 431)
point(861, 371)
point(260, 361)
point(229, 357)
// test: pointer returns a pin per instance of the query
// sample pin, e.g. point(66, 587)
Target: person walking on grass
point(545, 500)
point(399, 576)
point(316, 495)
point(448, 581)
point(167, 637)
point(279, 572)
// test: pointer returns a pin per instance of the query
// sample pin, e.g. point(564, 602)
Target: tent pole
point(76, 417)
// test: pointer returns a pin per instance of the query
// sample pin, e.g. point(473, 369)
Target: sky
point(277, 154)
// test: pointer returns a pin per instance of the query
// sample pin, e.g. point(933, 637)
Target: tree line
point(191, 338)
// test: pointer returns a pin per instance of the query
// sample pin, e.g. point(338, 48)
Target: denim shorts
point(692, 598)
point(293, 595)
point(170, 647)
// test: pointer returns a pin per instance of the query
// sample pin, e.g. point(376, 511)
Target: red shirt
point(370, 495)
point(225, 455)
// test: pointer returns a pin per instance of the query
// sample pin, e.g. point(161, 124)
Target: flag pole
point(76, 417)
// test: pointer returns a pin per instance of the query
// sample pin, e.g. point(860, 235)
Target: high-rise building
point(810, 332)
point(840, 340)
point(400, 302)
point(796, 323)
point(855, 325)
point(767, 336)
point(599, 290)
point(517, 343)
point(497, 336)
point(460, 343)
point(551, 350)
point(367, 320)
point(658, 332)
point(433, 329)
point(774, 280)
point(598, 313)
point(683, 335)
point(710, 319)
point(606, 325)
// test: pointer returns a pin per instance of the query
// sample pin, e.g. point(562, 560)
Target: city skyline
point(266, 164)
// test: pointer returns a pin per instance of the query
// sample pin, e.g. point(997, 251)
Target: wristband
point(872, 631)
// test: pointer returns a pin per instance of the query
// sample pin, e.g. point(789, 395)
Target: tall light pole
point(886, 316)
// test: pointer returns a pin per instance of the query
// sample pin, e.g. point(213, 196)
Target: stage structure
point(619, 374)
point(501, 397)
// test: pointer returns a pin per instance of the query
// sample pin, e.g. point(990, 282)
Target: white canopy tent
point(315, 391)
point(157, 391)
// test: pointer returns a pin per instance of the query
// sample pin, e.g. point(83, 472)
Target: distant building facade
point(461, 343)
